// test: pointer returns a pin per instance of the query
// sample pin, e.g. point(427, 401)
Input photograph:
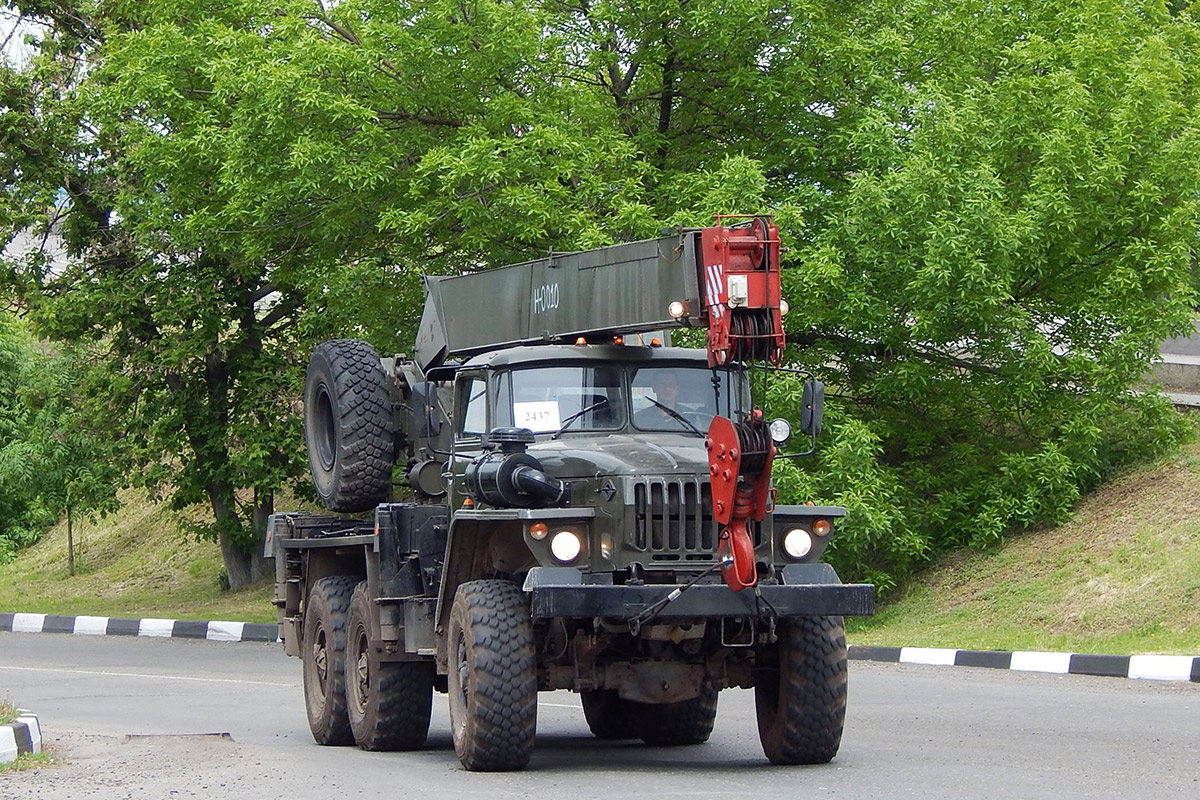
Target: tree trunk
point(243, 566)
point(70, 543)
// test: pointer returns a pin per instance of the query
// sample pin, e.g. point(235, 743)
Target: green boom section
point(618, 290)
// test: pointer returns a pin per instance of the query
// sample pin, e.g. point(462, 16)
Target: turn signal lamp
point(539, 530)
point(618, 340)
point(822, 527)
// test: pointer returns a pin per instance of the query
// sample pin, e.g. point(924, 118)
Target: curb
point(158, 628)
point(1159, 668)
point(21, 737)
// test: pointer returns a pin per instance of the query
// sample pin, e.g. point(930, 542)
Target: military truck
point(586, 508)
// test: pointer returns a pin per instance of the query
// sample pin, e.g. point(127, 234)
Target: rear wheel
point(493, 678)
point(685, 723)
point(800, 691)
point(324, 654)
point(348, 425)
point(608, 716)
point(388, 702)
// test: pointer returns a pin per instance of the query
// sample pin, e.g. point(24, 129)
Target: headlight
point(565, 546)
point(797, 543)
point(780, 430)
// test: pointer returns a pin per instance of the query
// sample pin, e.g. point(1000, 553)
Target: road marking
point(143, 675)
point(559, 705)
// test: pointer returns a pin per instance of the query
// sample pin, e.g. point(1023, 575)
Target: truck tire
point(608, 716)
point(492, 676)
point(686, 723)
point(388, 703)
point(348, 426)
point(800, 692)
point(323, 650)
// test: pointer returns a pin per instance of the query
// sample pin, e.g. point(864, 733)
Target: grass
point(136, 563)
point(27, 761)
point(1122, 576)
point(8, 712)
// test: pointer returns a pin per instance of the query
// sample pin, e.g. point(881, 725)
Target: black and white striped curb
point(20, 737)
point(1161, 668)
point(161, 628)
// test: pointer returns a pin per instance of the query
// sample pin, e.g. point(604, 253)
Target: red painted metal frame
point(750, 251)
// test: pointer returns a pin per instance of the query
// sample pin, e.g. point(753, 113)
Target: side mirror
point(424, 397)
point(812, 407)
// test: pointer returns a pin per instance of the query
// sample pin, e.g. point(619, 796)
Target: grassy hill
point(1123, 576)
point(135, 563)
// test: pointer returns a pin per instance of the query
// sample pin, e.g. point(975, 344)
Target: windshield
point(675, 398)
point(603, 397)
point(545, 399)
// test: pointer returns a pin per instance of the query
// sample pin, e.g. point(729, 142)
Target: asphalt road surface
point(128, 717)
point(1183, 345)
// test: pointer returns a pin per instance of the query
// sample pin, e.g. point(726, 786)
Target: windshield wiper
point(603, 401)
point(676, 415)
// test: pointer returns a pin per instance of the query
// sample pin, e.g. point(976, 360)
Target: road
point(927, 732)
point(1183, 345)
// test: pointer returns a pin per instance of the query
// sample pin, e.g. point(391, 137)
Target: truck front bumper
point(807, 590)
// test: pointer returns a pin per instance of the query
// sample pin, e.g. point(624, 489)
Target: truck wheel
point(323, 654)
point(800, 692)
point(608, 716)
point(348, 425)
point(688, 722)
point(388, 703)
point(492, 676)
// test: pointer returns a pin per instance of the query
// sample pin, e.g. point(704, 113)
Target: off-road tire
point(323, 654)
point(608, 716)
point(493, 676)
point(348, 425)
point(800, 691)
point(686, 723)
point(388, 703)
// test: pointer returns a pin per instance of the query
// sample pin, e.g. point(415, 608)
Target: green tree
point(990, 209)
point(50, 463)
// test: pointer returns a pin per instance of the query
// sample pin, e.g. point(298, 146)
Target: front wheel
point(800, 691)
point(388, 702)
point(493, 676)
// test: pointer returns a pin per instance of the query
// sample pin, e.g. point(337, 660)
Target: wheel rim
point(458, 699)
point(320, 660)
point(325, 434)
point(362, 670)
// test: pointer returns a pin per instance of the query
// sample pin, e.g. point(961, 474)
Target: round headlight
point(565, 546)
point(676, 309)
point(780, 430)
point(784, 308)
point(797, 543)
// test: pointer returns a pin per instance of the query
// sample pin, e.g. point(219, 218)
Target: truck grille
point(673, 520)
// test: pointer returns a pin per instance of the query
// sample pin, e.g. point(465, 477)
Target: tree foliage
point(49, 463)
point(990, 208)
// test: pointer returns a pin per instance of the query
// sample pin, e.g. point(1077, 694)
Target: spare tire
point(348, 426)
